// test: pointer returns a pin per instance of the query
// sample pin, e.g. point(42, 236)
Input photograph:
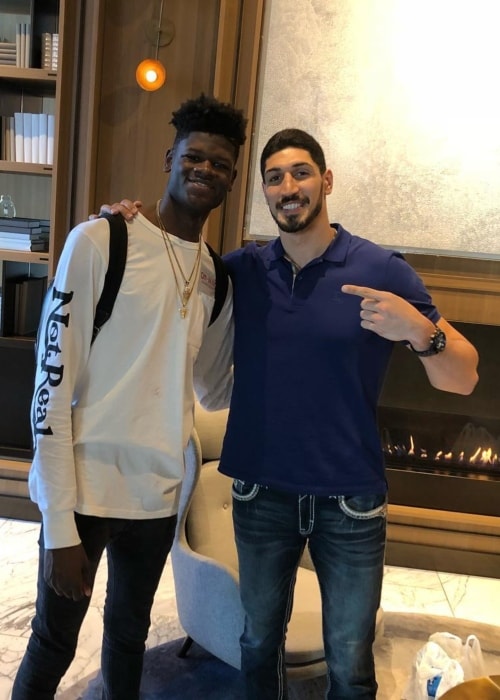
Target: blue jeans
point(136, 552)
point(346, 538)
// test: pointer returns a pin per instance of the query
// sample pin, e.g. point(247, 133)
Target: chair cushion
point(209, 524)
point(211, 427)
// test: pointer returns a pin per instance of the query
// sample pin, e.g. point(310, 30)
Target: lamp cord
point(159, 29)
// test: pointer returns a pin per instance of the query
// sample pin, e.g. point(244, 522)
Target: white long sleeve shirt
point(110, 420)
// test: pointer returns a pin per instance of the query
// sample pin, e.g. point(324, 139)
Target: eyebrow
point(293, 165)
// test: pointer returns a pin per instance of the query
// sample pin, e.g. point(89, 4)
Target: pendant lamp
point(150, 73)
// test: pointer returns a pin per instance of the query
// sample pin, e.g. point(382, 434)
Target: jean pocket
point(244, 491)
point(364, 507)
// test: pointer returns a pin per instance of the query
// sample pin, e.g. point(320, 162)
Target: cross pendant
point(183, 312)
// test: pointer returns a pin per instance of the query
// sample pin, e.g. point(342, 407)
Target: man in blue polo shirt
point(317, 312)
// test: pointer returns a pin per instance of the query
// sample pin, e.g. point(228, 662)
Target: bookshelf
point(37, 84)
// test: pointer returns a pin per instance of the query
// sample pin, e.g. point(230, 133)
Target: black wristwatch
point(437, 343)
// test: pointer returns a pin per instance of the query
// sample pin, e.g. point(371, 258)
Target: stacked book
point(8, 53)
point(28, 138)
point(22, 304)
point(31, 235)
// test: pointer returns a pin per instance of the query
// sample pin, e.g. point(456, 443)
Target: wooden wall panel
point(134, 132)
point(124, 132)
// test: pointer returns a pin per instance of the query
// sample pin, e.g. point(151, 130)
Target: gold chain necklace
point(185, 292)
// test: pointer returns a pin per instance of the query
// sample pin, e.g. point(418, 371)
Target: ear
point(167, 163)
point(328, 180)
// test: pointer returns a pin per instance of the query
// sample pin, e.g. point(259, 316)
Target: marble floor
point(404, 590)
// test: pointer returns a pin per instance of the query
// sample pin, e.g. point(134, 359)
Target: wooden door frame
point(235, 81)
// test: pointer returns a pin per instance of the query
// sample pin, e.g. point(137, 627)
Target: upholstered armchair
point(205, 564)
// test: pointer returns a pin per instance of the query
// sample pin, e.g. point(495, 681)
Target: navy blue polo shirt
point(307, 377)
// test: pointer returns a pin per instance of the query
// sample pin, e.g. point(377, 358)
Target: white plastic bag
point(442, 663)
point(472, 658)
point(433, 673)
point(469, 654)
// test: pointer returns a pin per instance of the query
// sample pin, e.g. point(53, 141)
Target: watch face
point(437, 344)
point(439, 340)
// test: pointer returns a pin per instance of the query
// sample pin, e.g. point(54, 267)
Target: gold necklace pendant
point(189, 282)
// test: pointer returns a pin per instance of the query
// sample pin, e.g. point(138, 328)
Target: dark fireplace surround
point(441, 449)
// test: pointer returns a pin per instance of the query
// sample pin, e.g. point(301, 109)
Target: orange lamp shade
point(150, 74)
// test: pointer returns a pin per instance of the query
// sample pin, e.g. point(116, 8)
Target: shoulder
point(251, 252)
point(369, 253)
point(364, 246)
point(380, 267)
point(86, 246)
point(94, 232)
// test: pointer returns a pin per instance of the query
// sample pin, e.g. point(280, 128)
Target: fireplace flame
point(480, 456)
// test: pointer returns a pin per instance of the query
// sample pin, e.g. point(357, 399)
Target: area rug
point(201, 676)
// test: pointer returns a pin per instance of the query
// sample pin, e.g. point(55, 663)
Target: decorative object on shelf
point(7, 207)
point(150, 73)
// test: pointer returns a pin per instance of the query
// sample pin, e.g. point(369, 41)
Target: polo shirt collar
point(335, 253)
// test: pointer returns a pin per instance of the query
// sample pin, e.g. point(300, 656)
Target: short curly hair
point(293, 138)
point(212, 117)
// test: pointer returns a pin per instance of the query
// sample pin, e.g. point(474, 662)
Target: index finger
point(365, 292)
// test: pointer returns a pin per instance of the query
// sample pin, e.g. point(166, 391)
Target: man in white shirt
point(111, 418)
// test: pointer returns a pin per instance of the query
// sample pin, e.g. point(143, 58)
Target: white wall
point(404, 97)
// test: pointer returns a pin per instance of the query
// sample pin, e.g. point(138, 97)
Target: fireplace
point(442, 450)
point(427, 433)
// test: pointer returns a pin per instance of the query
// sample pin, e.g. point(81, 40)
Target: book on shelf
point(50, 139)
point(18, 137)
point(19, 44)
point(23, 45)
point(20, 234)
point(7, 53)
point(30, 305)
point(22, 304)
point(13, 235)
point(30, 246)
point(27, 136)
point(42, 137)
point(26, 240)
point(33, 137)
point(22, 222)
point(6, 138)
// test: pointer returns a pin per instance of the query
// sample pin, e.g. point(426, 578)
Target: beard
point(295, 224)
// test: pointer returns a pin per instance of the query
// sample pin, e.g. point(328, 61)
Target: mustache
point(291, 199)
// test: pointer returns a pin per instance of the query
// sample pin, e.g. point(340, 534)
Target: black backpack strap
point(221, 284)
point(118, 240)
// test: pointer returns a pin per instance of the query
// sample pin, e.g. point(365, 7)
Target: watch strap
point(437, 344)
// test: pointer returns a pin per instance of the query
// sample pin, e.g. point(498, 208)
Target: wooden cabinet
point(39, 190)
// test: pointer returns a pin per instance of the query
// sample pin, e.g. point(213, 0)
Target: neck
point(177, 221)
point(304, 246)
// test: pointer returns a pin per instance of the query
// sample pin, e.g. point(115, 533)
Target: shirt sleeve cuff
point(59, 530)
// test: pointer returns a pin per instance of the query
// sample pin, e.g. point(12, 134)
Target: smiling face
point(295, 189)
point(202, 171)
